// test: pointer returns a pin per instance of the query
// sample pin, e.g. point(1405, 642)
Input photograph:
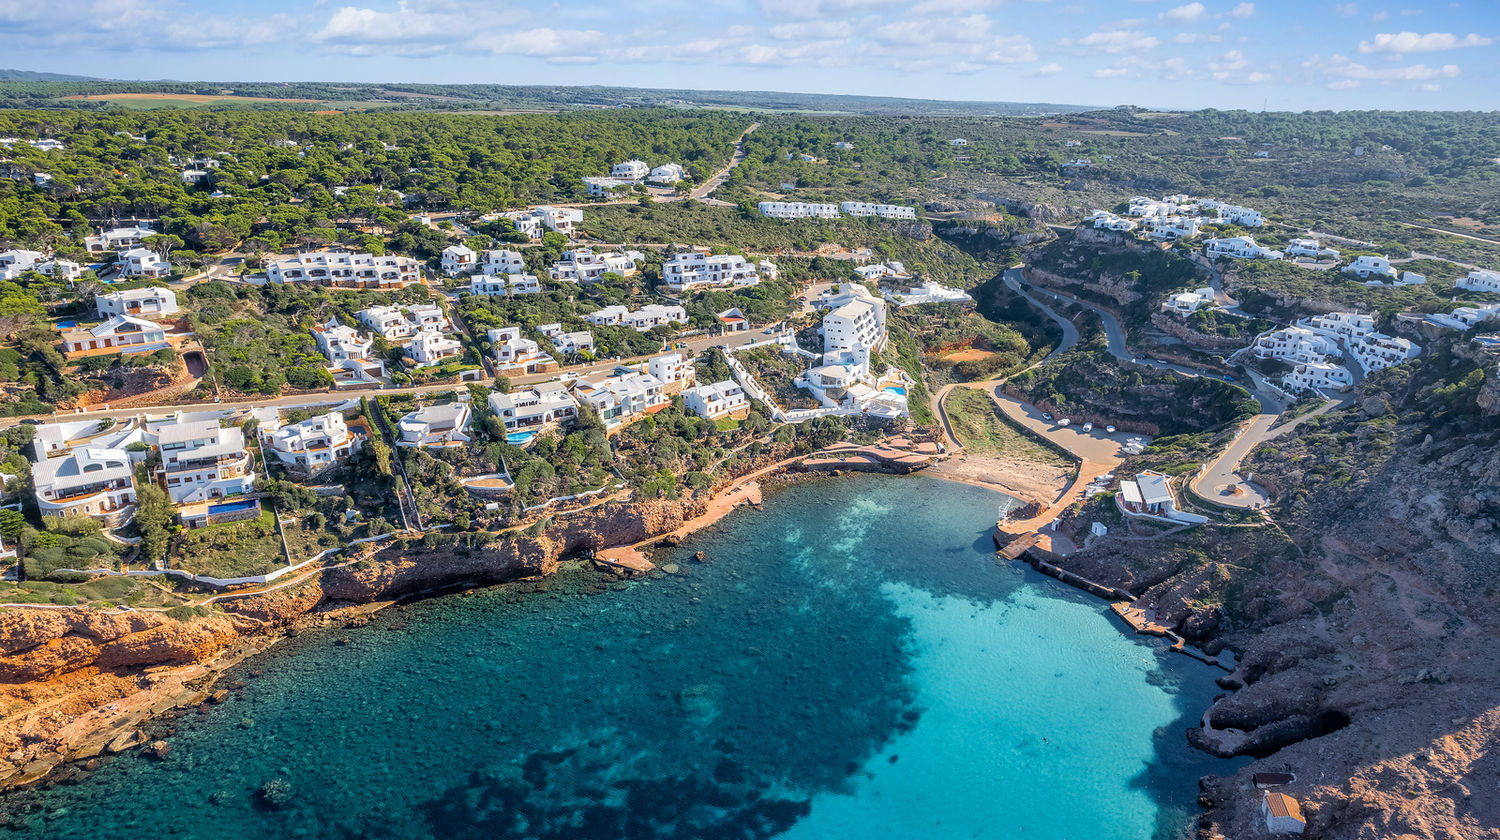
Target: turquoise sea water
point(851, 662)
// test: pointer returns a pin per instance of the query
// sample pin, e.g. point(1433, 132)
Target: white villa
point(695, 268)
point(201, 461)
point(458, 259)
point(1407, 278)
point(1240, 248)
point(721, 399)
point(798, 210)
point(89, 481)
point(1310, 248)
point(121, 333)
point(1105, 220)
point(621, 397)
point(1378, 352)
point(877, 271)
point(1318, 376)
point(1366, 266)
point(430, 347)
point(642, 320)
point(14, 262)
point(502, 261)
point(929, 292)
point(884, 211)
point(599, 186)
point(559, 219)
point(857, 320)
point(673, 371)
point(584, 265)
point(1295, 345)
point(347, 270)
point(1186, 303)
point(958, 141)
point(504, 285)
point(61, 269)
point(389, 321)
point(117, 239)
point(313, 444)
point(1169, 228)
point(515, 352)
point(1340, 325)
point(1480, 280)
point(630, 170)
point(667, 173)
point(150, 302)
point(1466, 317)
point(567, 342)
point(342, 344)
point(143, 262)
point(540, 405)
point(446, 424)
point(1233, 213)
point(1150, 495)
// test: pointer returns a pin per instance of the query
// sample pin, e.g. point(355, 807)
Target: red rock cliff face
point(39, 644)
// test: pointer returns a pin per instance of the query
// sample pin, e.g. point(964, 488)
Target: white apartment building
point(884, 211)
point(1318, 376)
point(1311, 248)
point(694, 269)
point(631, 170)
point(798, 210)
point(621, 397)
point(504, 285)
point(1240, 248)
point(1340, 325)
point(1481, 280)
point(1186, 303)
point(88, 481)
point(340, 343)
point(312, 445)
point(857, 320)
point(346, 270)
point(559, 219)
point(534, 407)
point(642, 320)
point(720, 399)
point(117, 239)
point(1105, 220)
point(435, 425)
point(515, 352)
point(1378, 352)
point(502, 261)
point(1295, 345)
point(581, 265)
point(928, 292)
point(150, 302)
point(389, 322)
point(667, 173)
point(1170, 228)
point(672, 370)
point(1367, 265)
point(1233, 213)
point(201, 461)
point(430, 347)
point(568, 342)
point(458, 259)
point(142, 262)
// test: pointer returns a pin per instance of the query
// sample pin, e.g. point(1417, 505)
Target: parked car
point(1109, 430)
point(1065, 422)
point(1088, 427)
point(1228, 378)
point(1046, 416)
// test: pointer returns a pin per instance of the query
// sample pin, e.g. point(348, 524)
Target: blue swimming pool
point(66, 325)
point(895, 389)
point(233, 507)
point(518, 438)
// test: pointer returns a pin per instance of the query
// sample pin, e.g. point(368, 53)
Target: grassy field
point(134, 592)
point(233, 549)
point(981, 427)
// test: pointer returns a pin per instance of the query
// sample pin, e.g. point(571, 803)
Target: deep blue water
point(851, 662)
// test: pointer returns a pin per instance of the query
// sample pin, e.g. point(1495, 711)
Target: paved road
point(734, 160)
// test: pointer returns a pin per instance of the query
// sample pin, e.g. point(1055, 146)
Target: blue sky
point(1286, 54)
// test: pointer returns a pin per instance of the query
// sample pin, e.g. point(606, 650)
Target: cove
point(850, 662)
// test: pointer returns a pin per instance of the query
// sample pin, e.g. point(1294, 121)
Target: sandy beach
point(1029, 481)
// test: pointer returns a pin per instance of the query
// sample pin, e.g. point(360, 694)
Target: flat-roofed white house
point(1319, 376)
point(445, 424)
point(599, 186)
point(201, 461)
point(958, 141)
point(121, 333)
point(884, 211)
point(928, 292)
point(515, 352)
point(798, 210)
point(1105, 220)
point(1171, 228)
point(117, 239)
point(667, 173)
point(1367, 265)
point(696, 269)
point(150, 302)
point(843, 145)
point(88, 481)
point(59, 269)
point(389, 322)
point(646, 318)
point(431, 347)
point(16, 261)
point(313, 444)
point(340, 343)
point(534, 407)
point(1233, 213)
point(622, 397)
point(1149, 494)
point(582, 265)
point(1466, 317)
point(1294, 344)
point(1240, 248)
point(877, 271)
point(630, 170)
point(580, 341)
point(1310, 248)
point(502, 261)
point(559, 219)
point(345, 270)
point(1481, 280)
point(673, 370)
point(720, 399)
point(1378, 352)
point(458, 259)
point(428, 316)
point(143, 262)
point(1340, 325)
point(504, 285)
point(1186, 303)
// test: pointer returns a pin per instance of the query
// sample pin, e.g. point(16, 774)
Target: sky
point(1291, 55)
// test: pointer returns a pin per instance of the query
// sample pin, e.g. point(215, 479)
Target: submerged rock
point(274, 793)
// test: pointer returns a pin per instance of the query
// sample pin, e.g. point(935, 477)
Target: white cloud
point(350, 24)
point(812, 30)
point(1346, 9)
point(1243, 10)
point(1411, 42)
point(1196, 38)
point(1345, 69)
point(1430, 87)
point(815, 9)
point(1048, 69)
point(1114, 41)
point(1185, 14)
